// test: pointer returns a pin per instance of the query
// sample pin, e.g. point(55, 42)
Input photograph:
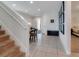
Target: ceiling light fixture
point(31, 2)
point(29, 23)
point(13, 5)
point(26, 11)
point(38, 9)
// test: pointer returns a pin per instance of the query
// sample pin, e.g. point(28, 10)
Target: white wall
point(66, 38)
point(34, 22)
point(53, 26)
point(74, 14)
point(75, 18)
point(45, 20)
point(29, 18)
point(26, 16)
point(44, 24)
point(37, 22)
point(47, 25)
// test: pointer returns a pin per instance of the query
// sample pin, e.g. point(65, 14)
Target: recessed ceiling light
point(31, 2)
point(13, 5)
point(38, 9)
point(26, 10)
point(29, 23)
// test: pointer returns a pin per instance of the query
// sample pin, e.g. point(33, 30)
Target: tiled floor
point(50, 46)
point(46, 46)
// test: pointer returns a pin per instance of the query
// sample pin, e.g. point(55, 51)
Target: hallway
point(48, 16)
point(47, 46)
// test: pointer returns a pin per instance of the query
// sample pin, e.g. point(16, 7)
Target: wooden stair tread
point(16, 53)
point(5, 42)
point(8, 47)
point(6, 52)
point(2, 32)
point(22, 54)
point(4, 37)
point(0, 27)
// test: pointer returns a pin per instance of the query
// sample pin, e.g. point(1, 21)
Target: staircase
point(8, 47)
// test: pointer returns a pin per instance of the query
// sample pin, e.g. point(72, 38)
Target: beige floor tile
point(45, 47)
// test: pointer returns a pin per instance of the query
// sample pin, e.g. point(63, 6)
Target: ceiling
point(35, 8)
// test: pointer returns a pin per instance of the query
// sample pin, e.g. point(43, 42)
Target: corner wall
point(66, 38)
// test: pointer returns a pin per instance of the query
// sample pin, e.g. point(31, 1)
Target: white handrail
point(14, 15)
